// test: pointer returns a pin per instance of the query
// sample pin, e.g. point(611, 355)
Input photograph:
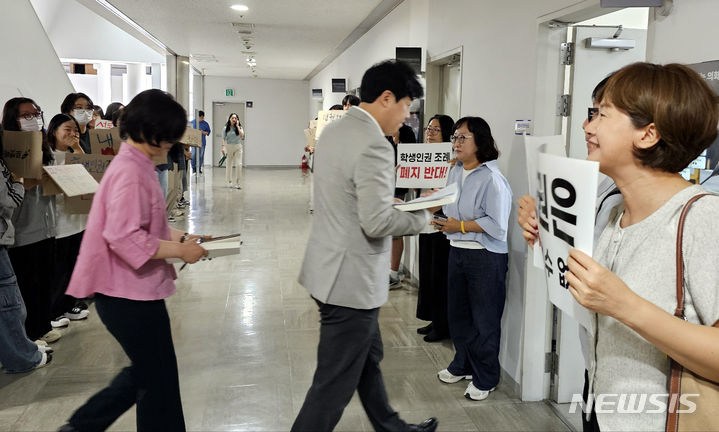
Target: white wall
point(687, 35)
point(32, 68)
point(78, 33)
point(274, 125)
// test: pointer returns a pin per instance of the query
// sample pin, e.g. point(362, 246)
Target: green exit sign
point(229, 92)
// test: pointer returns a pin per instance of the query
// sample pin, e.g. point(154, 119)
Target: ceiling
point(292, 39)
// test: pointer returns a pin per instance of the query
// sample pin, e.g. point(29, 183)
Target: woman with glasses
point(433, 255)
point(476, 226)
point(80, 106)
point(34, 221)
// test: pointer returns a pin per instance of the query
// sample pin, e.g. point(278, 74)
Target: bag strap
point(675, 384)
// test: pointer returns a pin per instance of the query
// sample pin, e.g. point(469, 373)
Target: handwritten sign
point(566, 197)
point(95, 164)
point(22, 152)
point(73, 179)
point(326, 117)
point(423, 165)
point(192, 137)
point(105, 141)
point(104, 124)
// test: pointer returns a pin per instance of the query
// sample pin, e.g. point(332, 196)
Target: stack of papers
point(444, 196)
point(217, 247)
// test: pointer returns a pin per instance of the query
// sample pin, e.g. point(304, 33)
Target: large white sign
point(566, 197)
point(423, 165)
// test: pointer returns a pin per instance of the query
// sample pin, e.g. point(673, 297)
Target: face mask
point(34, 124)
point(82, 116)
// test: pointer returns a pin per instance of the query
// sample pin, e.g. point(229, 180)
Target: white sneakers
point(60, 322)
point(446, 376)
point(472, 392)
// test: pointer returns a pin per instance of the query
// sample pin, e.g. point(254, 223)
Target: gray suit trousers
point(348, 358)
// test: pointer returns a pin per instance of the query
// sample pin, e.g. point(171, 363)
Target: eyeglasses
point(459, 138)
point(434, 130)
point(30, 116)
point(592, 113)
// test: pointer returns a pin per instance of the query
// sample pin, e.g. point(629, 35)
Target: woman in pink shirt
point(122, 263)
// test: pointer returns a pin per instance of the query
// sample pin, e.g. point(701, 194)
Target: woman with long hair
point(232, 146)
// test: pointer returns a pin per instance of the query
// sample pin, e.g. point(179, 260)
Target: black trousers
point(348, 358)
point(591, 425)
point(66, 251)
point(143, 330)
point(432, 297)
point(34, 270)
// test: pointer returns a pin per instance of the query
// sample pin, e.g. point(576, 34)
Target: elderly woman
point(476, 226)
point(653, 121)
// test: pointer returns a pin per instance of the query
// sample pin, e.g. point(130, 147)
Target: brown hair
point(677, 100)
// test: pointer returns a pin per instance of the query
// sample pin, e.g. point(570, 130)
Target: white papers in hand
point(443, 196)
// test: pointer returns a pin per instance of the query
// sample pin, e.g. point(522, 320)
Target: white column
point(104, 84)
point(135, 80)
point(156, 76)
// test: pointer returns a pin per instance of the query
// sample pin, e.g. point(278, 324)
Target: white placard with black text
point(423, 165)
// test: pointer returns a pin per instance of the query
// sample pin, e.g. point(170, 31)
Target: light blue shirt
point(486, 198)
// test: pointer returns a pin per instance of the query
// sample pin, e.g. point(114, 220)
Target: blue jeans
point(475, 296)
point(200, 157)
point(162, 177)
point(17, 353)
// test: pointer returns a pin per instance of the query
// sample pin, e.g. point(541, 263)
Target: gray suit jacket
point(348, 253)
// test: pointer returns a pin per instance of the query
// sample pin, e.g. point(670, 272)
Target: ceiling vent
point(204, 58)
point(244, 28)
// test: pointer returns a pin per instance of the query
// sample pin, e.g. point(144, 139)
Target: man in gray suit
point(346, 264)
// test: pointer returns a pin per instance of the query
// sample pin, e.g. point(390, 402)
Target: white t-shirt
point(66, 224)
point(466, 244)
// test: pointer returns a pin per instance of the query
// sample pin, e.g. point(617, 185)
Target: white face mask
point(34, 124)
point(82, 116)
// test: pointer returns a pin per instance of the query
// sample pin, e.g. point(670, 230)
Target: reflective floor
point(246, 335)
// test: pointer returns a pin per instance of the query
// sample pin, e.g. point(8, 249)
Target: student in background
point(18, 353)
point(63, 135)
point(122, 263)
point(80, 106)
point(204, 127)
point(350, 101)
point(232, 146)
point(403, 135)
point(112, 109)
point(433, 255)
point(97, 115)
point(33, 252)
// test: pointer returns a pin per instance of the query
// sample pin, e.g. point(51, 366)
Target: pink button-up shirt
point(124, 229)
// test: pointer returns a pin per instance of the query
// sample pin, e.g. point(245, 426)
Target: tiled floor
point(246, 335)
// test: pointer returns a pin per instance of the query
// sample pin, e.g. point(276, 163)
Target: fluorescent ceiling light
point(240, 8)
point(115, 11)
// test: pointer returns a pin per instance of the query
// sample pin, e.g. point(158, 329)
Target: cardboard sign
point(80, 204)
point(105, 141)
point(104, 124)
point(423, 165)
point(192, 137)
point(22, 152)
point(566, 197)
point(310, 137)
point(74, 180)
point(326, 117)
point(533, 145)
point(95, 164)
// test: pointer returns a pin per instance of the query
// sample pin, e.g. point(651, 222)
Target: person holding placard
point(80, 106)
point(232, 146)
point(204, 127)
point(433, 255)
point(476, 226)
point(122, 263)
point(18, 353)
point(653, 121)
point(403, 136)
point(350, 101)
point(63, 135)
point(34, 222)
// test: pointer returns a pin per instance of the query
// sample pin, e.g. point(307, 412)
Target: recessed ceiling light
point(240, 7)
